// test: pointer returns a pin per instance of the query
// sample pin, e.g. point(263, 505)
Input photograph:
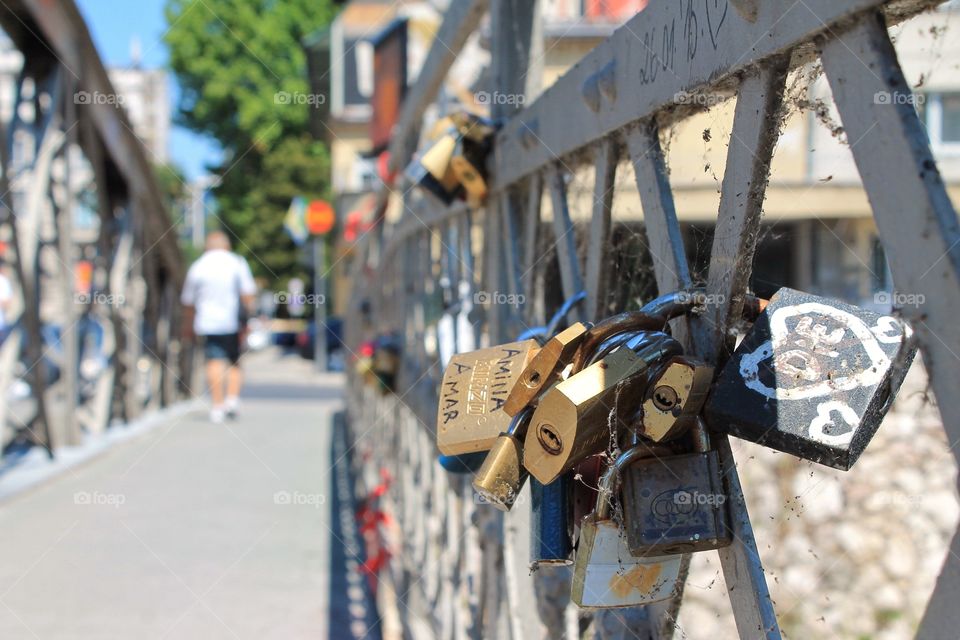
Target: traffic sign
point(319, 217)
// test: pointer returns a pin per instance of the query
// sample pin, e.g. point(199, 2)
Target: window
point(941, 116)
point(940, 112)
point(950, 117)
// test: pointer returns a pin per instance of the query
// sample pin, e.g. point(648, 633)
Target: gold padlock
point(573, 419)
point(466, 164)
point(502, 475)
point(545, 368)
point(675, 396)
point(474, 389)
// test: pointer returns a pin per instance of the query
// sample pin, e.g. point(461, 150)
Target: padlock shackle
point(629, 321)
point(519, 423)
point(700, 436)
point(610, 345)
point(552, 327)
point(610, 478)
point(679, 303)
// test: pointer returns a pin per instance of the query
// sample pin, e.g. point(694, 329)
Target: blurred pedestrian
point(218, 298)
point(6, 302)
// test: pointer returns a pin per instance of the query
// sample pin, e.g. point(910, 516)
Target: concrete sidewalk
point(194, 530)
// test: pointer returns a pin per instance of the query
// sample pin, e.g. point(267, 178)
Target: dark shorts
point(222, 347)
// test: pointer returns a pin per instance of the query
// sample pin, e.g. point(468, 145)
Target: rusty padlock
point(677, 503)
point(606, 574)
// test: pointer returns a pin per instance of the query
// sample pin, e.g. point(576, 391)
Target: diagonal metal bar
point(756, 127)
point(597, 270)
point(918, 226)
point(565, 238)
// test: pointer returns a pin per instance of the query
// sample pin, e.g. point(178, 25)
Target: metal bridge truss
point(67, 146)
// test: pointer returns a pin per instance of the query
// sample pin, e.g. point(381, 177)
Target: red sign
point(319, 217)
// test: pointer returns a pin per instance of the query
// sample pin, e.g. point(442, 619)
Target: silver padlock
point(605, 574)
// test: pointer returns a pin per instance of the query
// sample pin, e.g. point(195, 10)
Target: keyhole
point(665, 398)
point(533, 379)
point(549, 439)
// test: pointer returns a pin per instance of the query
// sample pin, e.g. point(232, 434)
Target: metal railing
point(111, 352)
point(461, 570)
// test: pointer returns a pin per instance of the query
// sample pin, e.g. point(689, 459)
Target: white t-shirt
point(214, 285)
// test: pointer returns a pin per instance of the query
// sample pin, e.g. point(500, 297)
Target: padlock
point(432, 168)
point(813, 378)
point(500, 479)
point(550, 535)
point(467, 164)
point(474, 388)
point(545, 368)
point(675, 395)
point(677, 503)
point(573, 419)
point(385, 362)
point(606, 574)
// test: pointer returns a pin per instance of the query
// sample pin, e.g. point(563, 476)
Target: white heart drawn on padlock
point(824, 411)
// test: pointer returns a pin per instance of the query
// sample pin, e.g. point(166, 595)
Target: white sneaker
point(231, 406)
point(217, 415)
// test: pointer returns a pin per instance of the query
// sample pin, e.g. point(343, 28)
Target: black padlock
point(813, 378)
point(676, 504)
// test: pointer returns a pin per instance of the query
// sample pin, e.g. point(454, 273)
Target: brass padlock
point(545, 368)
point(677, 503)
point(467, 164)
point(675, 395)
point(475, 386)
point(501, 477)
point(432, 169)
point(605, 573)
point(573, 419)
point(385, 362)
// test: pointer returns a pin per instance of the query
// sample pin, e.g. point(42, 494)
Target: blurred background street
point(190, 530)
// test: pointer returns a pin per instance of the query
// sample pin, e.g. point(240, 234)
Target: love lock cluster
point(614, 418)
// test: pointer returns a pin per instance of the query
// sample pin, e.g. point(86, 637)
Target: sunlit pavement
point(195, 530)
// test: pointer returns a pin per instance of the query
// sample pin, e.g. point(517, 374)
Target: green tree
point(238, 62)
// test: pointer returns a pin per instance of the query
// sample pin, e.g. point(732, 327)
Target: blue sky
point(113, 26)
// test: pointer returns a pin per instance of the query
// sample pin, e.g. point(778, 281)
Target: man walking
point(217, 298)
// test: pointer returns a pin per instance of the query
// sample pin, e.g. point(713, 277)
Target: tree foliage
point(233, 58)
